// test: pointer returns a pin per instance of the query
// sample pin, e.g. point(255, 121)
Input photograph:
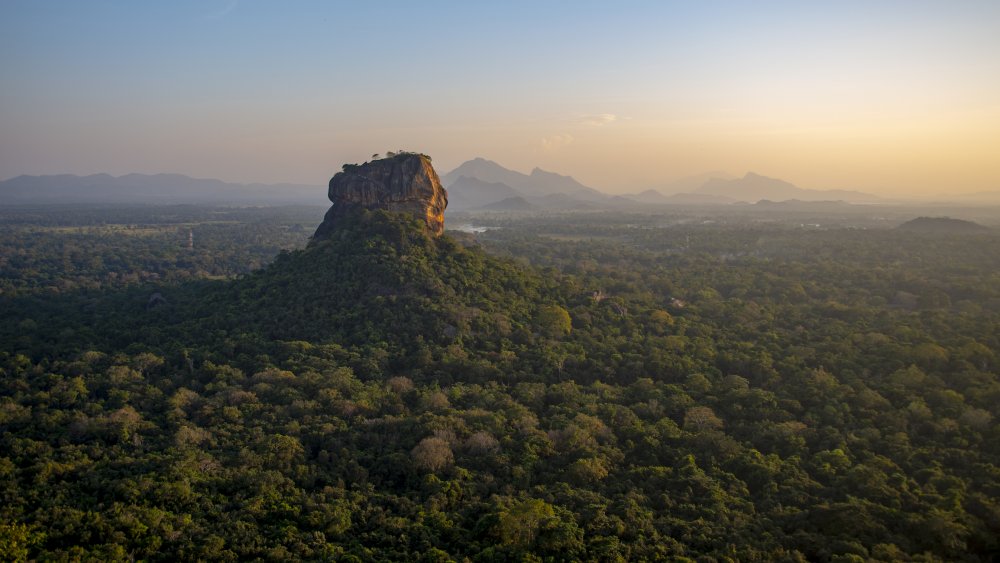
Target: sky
point(894, 98)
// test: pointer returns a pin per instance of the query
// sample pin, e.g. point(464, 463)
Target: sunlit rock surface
point(404, 182)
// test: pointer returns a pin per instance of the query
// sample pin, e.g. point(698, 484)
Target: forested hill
point(388, 395)
point(941, 225)
point(380, 279)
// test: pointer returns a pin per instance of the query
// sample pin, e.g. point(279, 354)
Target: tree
point(554, 321)
point(520, 524)
point(16, 540)
point(697, 419)
point(432, 454)
point(661, 321)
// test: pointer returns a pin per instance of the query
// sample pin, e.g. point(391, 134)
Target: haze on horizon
point(893, 98)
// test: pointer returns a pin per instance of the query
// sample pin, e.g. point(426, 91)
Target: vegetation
point(68, 248)
point(349, 167)
point(576, 388)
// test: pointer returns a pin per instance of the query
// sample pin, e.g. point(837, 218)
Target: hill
point(380, 277)
point(941, 225)
point(510, 204)
point(470, 192)
point(648, 196)
point(692, 183)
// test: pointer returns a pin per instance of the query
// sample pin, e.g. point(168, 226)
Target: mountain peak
point(538, 183)
point(537, 172)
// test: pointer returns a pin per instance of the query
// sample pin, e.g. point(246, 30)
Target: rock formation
point(404, 182)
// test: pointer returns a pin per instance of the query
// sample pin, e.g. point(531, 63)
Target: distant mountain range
point(754, 187)
point(481, 183)
point(692, 183)
point(478, 184)
point(151, 188)
point(986, 198)
point(538, 183)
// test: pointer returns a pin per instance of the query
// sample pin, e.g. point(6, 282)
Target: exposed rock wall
point(405, 183)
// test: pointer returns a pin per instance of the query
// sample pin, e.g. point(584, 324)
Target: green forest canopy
point(721, 391)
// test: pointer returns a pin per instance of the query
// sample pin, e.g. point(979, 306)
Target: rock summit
point(401, 182)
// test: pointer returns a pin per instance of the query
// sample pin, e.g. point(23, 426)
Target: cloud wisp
point(597, 119)
point(555, 142)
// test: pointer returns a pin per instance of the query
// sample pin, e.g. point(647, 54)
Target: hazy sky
point(888, 97)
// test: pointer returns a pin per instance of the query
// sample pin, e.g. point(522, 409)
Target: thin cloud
point(554, 142)
point(598, 119)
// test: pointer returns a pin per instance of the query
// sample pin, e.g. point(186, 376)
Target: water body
point(469, 228)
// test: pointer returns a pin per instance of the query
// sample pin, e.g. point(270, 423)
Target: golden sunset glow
point(899, 99)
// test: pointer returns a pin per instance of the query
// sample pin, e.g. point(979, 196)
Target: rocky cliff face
point(404, 183)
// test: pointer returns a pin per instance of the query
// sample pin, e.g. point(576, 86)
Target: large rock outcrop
point(404, 182)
